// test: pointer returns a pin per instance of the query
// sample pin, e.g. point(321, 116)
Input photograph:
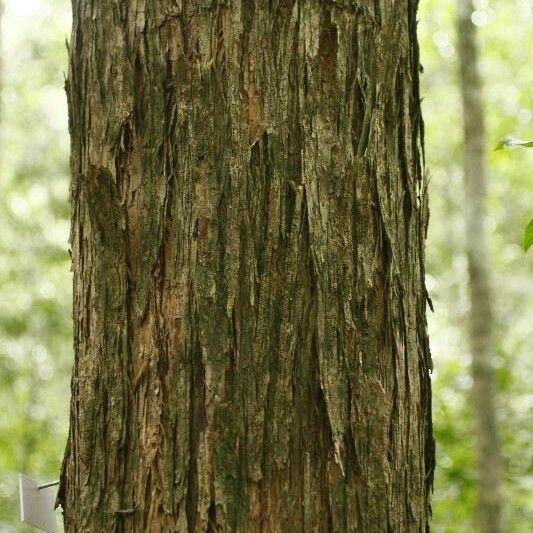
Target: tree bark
point(481, 312)
point(248, 225)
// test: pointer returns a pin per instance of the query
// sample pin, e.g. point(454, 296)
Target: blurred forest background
point(35, 284)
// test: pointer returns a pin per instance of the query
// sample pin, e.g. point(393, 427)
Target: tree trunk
point(481, 319)
point(249, 216)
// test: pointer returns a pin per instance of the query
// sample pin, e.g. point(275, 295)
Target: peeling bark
point(481, 313)
point(249, 216)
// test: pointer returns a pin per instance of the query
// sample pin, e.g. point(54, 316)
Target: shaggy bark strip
point(249, 217)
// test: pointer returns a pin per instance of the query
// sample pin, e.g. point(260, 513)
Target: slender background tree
point(481, 306)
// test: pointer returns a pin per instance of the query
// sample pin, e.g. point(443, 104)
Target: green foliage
point(505, 39)
point(507, 141)
point(528, 235)
point(35, 325)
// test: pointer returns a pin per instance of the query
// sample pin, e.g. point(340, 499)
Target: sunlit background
point(35, 282)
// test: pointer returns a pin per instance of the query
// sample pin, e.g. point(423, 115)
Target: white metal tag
point(37, 504)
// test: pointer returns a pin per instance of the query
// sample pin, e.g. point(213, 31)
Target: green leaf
point(506, 142)
point(528, 235)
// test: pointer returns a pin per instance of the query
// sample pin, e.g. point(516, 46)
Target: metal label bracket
point(37, 503)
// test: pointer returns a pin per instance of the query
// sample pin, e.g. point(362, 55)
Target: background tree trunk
point(481, 319)
point(249, 213)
